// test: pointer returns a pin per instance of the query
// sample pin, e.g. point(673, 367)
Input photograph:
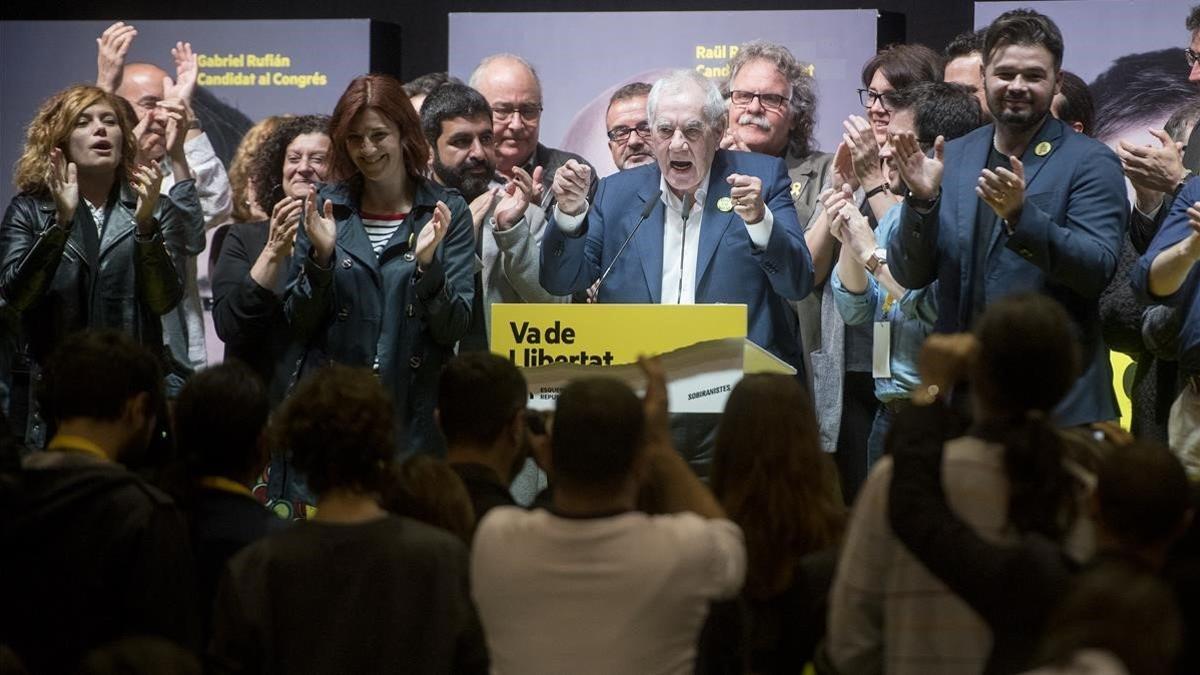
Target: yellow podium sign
point(532, 335)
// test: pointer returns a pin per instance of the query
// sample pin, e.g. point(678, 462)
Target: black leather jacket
point(59, 279)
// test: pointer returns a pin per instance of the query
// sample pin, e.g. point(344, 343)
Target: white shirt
point(679, 255)
point(619, 594)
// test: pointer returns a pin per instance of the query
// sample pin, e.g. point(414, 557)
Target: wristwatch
point(877, 259)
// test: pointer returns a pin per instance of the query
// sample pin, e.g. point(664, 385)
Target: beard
point(1017, 121)
point(465, 178)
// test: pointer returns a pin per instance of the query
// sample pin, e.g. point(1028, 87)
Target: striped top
point(380, 227)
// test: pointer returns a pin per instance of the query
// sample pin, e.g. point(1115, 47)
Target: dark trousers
point(858, 415)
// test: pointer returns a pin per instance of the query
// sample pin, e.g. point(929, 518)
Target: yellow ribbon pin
point(725, 204)
point(1042, 149)
point(797, 188)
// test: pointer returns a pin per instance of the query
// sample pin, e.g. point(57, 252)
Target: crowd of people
point(357, 485)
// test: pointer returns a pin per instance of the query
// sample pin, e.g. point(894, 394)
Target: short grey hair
point(714, 111)
point(803, 101)
point(477, 74)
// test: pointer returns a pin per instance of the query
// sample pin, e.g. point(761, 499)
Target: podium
point(703, 348)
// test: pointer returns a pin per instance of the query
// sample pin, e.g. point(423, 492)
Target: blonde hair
point(240, 168)
point(52, 126)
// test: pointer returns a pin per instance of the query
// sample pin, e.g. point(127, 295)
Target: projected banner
point(583, 58)
point(254, 68)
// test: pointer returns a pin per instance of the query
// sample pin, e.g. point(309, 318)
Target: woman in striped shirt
point(387, 258)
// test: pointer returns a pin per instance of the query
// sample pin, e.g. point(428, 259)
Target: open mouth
point(680, 166)
point(102, 146)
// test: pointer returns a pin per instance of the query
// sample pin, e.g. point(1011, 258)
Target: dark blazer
point(729, 269)
point(250, 318)
point(1065, 245)
point(365, 308)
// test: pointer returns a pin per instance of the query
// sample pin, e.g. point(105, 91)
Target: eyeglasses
point(693, 132)
point(621, 134)
point(1191, 57)
point(868, 97)
point(529, 113)
point(769, 101)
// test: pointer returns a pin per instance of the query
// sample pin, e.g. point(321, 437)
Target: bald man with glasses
point(512, 89)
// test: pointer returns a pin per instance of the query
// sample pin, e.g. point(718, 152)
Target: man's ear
point(137, 409)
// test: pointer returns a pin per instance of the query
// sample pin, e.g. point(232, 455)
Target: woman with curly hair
point(85, 243)
point(388, 258)
point(251, 272)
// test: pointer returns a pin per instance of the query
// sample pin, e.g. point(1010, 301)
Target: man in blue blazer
point(1025, 204)
point(718, 226)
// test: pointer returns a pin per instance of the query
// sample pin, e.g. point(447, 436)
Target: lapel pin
point(797, 188)
point(725, 204)
point(412, 240)
point(1042, 149)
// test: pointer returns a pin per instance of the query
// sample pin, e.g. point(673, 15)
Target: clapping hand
point(186, 72)
point(111, 48)
point(64, 186)
point(321, 228)
point(515, 197)
point(146, 182)
point(1004, 190)
point(863, 148)
point(432, 234)
point(285, 221)
point(922, 175)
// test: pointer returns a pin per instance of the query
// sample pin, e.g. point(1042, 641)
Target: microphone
point(689, 200)
point(646, 211)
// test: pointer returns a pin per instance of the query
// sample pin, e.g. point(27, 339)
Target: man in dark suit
point(721, 226)
point(1024, 204)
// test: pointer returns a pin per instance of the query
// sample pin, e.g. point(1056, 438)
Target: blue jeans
point(879, 429)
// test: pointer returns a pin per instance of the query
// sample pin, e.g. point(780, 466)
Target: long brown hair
point(51, 127)
point(773, 479)
point(386, 95)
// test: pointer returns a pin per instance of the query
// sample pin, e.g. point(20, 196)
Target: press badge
point(881, 350)
point(881, 344)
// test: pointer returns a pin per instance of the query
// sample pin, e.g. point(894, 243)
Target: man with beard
point(964, 65)
point(148, 89)
point(457, 122)
point(628, 128)
point(1019, 205)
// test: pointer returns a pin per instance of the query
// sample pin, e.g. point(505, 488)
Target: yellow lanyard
point(69, 443)
point(888, 301)
point(226, 485)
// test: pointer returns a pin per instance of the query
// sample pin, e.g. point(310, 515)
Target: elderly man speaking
point(719, 226)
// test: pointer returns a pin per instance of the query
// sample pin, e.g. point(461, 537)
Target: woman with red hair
point(387, 257)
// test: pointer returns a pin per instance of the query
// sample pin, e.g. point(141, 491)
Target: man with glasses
point(628, 129)
point(719, 226)
point(511, 87)
point(772, 104)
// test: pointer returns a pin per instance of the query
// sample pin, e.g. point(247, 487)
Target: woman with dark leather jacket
point(85, 243)
point(388, 256)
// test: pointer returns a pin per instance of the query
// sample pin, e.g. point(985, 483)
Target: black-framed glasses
point(528, 112)
point(621, 134)
point(1191, 57)
point(770, 101)
point(868, 97)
